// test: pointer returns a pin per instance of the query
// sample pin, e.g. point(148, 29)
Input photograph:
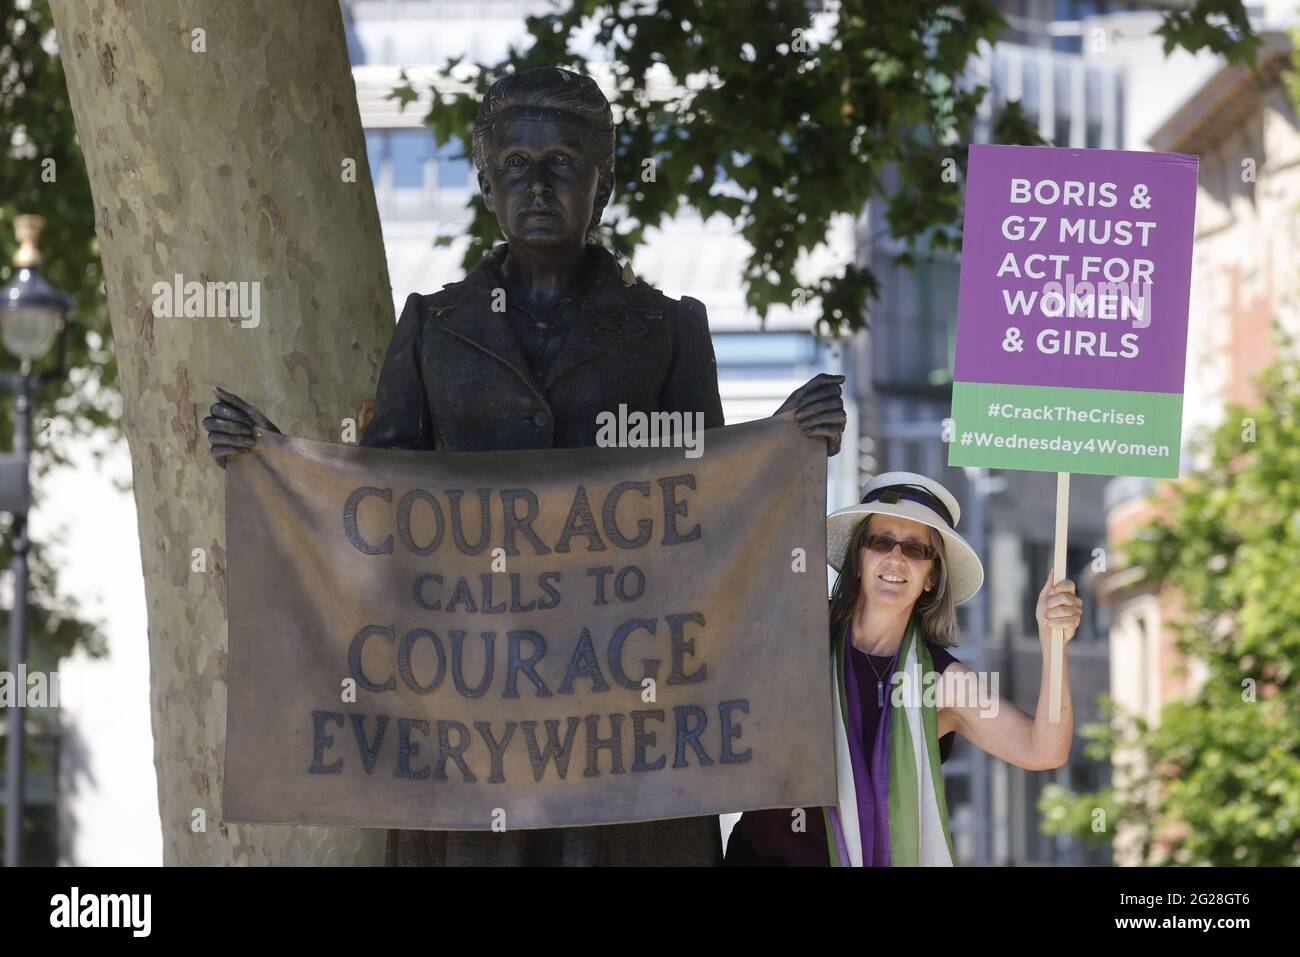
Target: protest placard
point(1072, 317)
point(1072, 310)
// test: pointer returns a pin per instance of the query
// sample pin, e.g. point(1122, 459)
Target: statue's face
point(539, 181)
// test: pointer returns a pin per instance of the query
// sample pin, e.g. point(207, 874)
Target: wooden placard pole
point(1057, 662)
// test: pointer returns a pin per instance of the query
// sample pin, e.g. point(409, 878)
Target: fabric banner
point(501, 640)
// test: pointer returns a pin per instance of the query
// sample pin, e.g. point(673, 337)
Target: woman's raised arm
point(1000, 728)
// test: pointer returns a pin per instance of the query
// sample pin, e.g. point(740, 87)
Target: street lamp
point(33, 315)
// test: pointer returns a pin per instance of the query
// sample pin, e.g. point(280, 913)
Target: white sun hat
point(913, 496)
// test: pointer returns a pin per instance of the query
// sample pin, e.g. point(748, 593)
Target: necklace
point(880, 681)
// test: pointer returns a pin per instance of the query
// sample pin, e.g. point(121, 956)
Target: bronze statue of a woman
point(578, 336)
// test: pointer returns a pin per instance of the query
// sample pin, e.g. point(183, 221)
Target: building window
point(1038, 557)
point(1029, 79)
point(1143, 634)
point(409, 150)
point(999, 81)
point(40, 805)
point(1093, 83)
point(1063, 74)
point(407, 159)
point(453, 169)
point(913, 320)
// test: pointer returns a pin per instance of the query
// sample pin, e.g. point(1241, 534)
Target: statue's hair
point(553, 88)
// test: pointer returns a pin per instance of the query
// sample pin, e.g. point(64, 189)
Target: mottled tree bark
point(223, 165)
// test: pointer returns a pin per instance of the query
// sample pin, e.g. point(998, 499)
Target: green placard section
point(1047, 429)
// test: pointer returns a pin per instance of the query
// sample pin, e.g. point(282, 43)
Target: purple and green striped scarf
point(891, 810)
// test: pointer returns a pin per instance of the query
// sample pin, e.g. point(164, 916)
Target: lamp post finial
point(28, 231)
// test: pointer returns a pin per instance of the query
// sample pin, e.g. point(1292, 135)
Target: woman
point(903, 570)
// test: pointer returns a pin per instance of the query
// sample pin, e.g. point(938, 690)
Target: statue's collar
point(490, 272)
point(612, 311)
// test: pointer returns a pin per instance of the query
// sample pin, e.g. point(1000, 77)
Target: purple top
point(765, 837)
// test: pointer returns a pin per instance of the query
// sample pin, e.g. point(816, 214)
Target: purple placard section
point(1086, 217)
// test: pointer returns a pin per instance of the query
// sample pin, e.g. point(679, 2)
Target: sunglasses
point(917, 551)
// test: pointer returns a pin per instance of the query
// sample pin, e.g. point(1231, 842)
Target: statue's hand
point(818, 407)
point(230, 426)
